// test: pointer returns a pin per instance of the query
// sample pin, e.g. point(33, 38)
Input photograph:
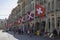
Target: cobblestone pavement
point(15, 36)
point(31, 37)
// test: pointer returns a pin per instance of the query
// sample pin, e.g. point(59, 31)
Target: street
point(10, 35)
point(30, 37)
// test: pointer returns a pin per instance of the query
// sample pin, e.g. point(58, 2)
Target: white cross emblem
point(39, 11)
point(30, 16)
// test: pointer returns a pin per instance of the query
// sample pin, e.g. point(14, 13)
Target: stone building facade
point(51, 19)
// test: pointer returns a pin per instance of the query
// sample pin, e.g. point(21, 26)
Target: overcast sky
point(6, 7)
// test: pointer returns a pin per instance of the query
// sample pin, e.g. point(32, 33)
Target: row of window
point(51, 6)
point(29, 7)
point(58, 22)
point(27, 2)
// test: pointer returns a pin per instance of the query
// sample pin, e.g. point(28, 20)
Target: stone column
point(51, 28)
point(46, 23)
point(55, 12)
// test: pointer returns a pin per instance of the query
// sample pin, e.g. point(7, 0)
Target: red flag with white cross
point(40, 10)
point(30, 16)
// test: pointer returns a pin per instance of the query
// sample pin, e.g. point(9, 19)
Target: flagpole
point(34, 12)
point(46, 27)
point(55, 12)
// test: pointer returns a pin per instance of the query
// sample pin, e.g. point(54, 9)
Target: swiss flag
point(40, 10)
point(30, 16)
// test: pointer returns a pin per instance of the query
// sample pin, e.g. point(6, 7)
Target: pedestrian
point(22, 28)
point(55, 33)
point(19, 31)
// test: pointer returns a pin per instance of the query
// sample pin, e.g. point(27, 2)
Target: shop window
point(43, 23)
point(49, 23)
point(53, 22)
point(57, 24)
point(58, 21)
point(37, 25)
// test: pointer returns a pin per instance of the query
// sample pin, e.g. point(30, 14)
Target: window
point(53, 22)
point(42, 1)
point(23, 12)
point(49, 7)
point(32, 6)
point(49, 23)
point(29, 7)
point(57, 5)
point(26, 8)
point(52, 15)
point(57, 24)
point(23, 5)
point(58, 21)
point(59, 18)
point(52, 6)
point(27, 2)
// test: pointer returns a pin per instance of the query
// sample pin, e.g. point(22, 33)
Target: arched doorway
point(43, 26)
point(37, 24)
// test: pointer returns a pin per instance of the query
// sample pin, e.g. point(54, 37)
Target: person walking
point(55, 33)
point(22, 28)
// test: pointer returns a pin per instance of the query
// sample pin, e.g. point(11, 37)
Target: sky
point(6, 7)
